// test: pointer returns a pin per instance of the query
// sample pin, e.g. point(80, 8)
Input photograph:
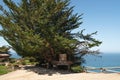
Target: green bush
point(23, 61)
point(4, 70)
point(28, 61)
point(77, 69)
point(12, 60)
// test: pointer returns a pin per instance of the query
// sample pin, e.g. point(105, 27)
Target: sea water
point(103, 60)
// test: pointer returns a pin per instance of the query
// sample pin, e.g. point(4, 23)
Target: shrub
point(77, 69)
point(4, 70)
point(28, 61)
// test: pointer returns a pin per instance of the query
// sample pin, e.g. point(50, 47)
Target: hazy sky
point(99, 15)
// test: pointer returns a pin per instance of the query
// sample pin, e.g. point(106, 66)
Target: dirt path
point(53, 75)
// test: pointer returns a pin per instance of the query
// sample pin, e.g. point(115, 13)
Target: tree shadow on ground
point(44, 71)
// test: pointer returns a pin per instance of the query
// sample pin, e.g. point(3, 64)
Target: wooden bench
point(62, 61)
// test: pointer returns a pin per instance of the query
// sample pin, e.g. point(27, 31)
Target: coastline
point(53, 75)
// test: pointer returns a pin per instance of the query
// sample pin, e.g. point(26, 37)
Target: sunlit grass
point(4, 70)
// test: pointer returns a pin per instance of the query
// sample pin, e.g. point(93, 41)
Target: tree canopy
point(43, 29)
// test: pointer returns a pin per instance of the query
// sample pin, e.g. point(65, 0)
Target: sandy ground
point(43, 74)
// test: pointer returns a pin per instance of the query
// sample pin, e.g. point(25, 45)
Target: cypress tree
point(43, 29)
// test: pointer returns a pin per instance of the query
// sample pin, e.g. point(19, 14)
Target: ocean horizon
point(103, 60)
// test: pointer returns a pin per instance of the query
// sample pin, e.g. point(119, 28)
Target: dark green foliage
point(42, 29)
point(23, 61)
point(77, 69)
point(4, 49)
point(28, 61)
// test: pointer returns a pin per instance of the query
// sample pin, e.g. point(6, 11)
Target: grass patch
point(4, 70)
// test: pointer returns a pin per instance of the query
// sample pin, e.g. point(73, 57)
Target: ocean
point(103, 60)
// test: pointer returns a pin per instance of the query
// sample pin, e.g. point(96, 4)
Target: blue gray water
point(103, 60)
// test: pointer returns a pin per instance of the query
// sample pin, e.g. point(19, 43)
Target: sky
point(98, 15)
point(102, 16)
